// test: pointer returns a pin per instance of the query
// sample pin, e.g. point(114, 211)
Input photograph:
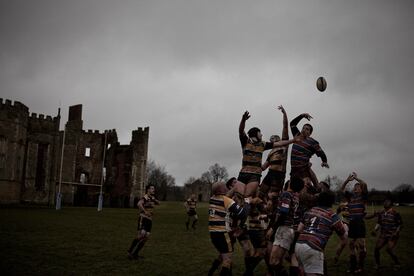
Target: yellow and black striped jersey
point(277, 159)
point(148, 203)
point(220, 209)
point(252, 154)
point(191, 204)
point(257, 218)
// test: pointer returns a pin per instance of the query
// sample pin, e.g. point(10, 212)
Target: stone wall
point(31, 163)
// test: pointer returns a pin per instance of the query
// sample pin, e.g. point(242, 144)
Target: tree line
point(164, 183)
point(166, 187)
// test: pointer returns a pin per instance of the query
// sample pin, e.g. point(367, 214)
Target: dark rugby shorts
point(191, 212)
point(357, 229)
point(258, 238)
point(246, 178)
point(275, 180)
point(144, 224)
point(222, 242)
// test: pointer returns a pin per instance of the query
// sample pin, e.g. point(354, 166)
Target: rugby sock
point(133, 244)
point(293, 271)
point(279, 270)
point(361, 260)
point(225, 271)
point(194, 224)
point(186, 225)
point(255, 262)
point(140, 245)
point(214, 266)
point(352, 263)
point(325, 268)
point(137, 247)
point(248, 262)
point(377, 256)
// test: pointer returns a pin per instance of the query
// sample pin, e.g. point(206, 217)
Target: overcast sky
point(189, 69)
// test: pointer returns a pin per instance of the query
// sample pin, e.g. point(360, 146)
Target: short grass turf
point(82, 241)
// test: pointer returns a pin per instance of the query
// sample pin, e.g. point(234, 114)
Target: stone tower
point(139, 145)
point(28, 146)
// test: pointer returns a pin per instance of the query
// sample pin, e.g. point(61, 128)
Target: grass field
point(82, 241)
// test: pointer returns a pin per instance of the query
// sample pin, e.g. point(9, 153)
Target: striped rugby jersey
point(389, 220)
point(356, 206)
point(191, 204)
point(149, 202)
point(288, 206)
point(252, 154)
point(319, 223)
point(344, 211)
point(277, 159)
point(220, 209)
point(303, 150)
point(257, 219)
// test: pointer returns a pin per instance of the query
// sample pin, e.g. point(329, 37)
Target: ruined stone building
point(31, 154)
point(201, 189)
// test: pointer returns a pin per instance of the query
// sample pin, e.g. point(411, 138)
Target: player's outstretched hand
point(280, 107)
point(325, 165)
point(350, 177)
point(307, 116)
point(246, 116)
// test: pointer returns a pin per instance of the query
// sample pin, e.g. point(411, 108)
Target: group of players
point(274, 220)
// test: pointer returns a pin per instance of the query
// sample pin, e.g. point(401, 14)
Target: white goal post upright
point(59, 194)
point(82, 183)
point(100, 201)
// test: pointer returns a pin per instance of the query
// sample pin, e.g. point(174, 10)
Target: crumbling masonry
point(30, 159)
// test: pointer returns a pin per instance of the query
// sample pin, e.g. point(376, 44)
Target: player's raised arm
point(283, 143)
point(285, 131)
point(242, 125)
point(364, 186)
point(349, 178)
point(295, 122)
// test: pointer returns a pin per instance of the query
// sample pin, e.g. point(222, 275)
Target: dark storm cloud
point(189, 69)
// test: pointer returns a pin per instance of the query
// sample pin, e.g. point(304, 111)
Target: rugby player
point(221, 208)
point(191, 209)
point(283, 225)
point(389, 225)
point(303, 150)
point(315, 230)
point(146, 207)
point(357, 231)
point(276, 162)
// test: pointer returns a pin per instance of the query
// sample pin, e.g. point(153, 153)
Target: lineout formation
point(274, 220)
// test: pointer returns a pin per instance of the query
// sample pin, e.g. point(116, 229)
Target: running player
point(357, 232)
point(390, 223)
point(316, 227)
point(146, 207)
point(220, 209)
point(191, 208)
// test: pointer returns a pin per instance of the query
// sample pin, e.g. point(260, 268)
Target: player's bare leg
point(390, 250)
point(379, 244)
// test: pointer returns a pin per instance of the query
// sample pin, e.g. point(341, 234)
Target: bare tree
point(215, 173)
point(158, 176)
